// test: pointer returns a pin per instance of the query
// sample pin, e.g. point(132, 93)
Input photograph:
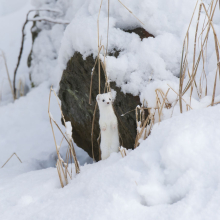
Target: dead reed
point(199, 58)
point(123, 151)
point(62, 167)
point(6, 68)
point(10, 159)
point(102, 64)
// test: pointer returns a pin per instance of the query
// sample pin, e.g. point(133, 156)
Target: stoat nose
point(107, 102)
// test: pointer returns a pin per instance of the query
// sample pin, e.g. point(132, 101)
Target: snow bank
point(174, 174)
point(10, 6)
point(25, 129)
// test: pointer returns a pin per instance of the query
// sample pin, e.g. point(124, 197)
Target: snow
point(173, 174)
point(139, 62)
point(25, 129)
point(69, 130)
point(158, 57)
point(10, 6)
point(10, 43)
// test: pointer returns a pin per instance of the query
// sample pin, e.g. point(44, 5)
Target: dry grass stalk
point(206, 29)
point(10, 158)
point(20, 89)
point(62, 167)
point(103, 65)
point(6, 67)
point(132, 13)
point(122, 151)
point(144, 126)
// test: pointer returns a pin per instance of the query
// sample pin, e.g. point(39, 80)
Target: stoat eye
point(109, 99)
point(103, 100)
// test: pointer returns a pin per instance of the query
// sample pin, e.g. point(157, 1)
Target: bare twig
point(22, 43)
point(10, 158)
point(49, 20)
point(6, 67)
point(60, 161)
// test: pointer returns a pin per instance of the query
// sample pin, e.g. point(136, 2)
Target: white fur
point(108, 125)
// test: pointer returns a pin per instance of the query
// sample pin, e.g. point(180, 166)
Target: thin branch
point(22, 43)
point(49, 20)
point(10, 158)
point(6, 67)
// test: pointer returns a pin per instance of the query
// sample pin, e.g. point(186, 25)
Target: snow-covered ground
point(174, 174)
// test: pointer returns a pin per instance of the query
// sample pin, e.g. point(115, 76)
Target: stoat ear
point(98, 97)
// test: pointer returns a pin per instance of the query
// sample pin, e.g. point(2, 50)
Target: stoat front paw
point(114, 126)
point(103, 127)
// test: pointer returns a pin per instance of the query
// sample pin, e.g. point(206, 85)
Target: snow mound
point(174, 174)
point(25, 129)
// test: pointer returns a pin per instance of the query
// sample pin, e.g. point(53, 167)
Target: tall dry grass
point(199, 58)
point(102, 65)
point(6, 68)
point(63, 166)
point(196, 79)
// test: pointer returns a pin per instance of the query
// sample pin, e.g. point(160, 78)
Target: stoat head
point(106, 99)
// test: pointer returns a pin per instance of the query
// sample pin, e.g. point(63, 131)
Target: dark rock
point(141, 32)
point(74, 95)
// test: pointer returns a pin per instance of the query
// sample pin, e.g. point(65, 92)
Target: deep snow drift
point(174, 174)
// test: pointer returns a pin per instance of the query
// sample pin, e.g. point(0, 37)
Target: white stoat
point(108, 125)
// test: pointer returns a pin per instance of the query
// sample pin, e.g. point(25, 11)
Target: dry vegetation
point(145, 116)
point(102, 64)
point(204, 33)
point(63, 166)
point(145, 121)
point(9, 80)
point(10, 159)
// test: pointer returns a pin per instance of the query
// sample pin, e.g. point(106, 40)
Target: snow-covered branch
point(23, 35)
point(56, 21)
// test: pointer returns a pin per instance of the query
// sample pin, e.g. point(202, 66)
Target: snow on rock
point(69, 130)
point(174, 174)
point(158, 57)
point(46, 45)
point(139, 62)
